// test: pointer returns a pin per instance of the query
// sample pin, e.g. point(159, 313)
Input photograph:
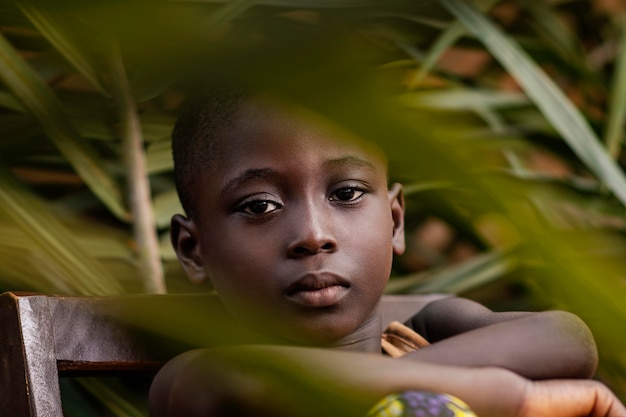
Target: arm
point(313, 382)
point(551, 344)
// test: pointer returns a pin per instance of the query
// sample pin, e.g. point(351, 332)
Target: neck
point(365, 338)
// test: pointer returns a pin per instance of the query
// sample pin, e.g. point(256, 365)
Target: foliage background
point(504, 119)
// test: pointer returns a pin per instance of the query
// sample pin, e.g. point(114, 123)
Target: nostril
point(300, 250)
point(327, 246)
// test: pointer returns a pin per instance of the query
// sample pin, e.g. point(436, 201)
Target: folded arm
point(551, 344)
point(282, 381)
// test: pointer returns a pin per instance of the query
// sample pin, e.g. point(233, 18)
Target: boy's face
point(293, 225)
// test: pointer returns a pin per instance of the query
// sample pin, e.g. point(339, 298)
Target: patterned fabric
point(420, 404)
point(398, 340)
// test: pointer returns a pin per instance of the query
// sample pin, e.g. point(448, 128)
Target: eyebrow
point(350, 161)
point(258, 173)
point(247, 175)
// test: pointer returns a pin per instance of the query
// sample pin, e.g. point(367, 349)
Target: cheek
point(373, 243)
point(241, 266)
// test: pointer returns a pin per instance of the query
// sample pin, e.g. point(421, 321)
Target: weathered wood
point(13, 376)
point(42, 337)
point(41, 369)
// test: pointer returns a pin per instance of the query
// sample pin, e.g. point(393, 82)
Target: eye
point(258, 207)
point(347, 194)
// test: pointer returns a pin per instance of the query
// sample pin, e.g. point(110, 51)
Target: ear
point(184, 237)
point(396, 203)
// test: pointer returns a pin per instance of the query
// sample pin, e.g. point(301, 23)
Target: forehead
point(265, 126)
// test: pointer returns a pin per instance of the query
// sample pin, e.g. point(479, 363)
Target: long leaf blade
point(56, 31)
point(83, 274)
point(39, 100)
point(552, 102)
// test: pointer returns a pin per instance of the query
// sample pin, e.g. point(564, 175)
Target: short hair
point(196, 137)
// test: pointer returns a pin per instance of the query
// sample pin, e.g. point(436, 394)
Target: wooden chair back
point(43, 337)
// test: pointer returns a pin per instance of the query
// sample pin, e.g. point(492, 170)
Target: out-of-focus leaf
point(56, 29)
point(44, 106)
point(448, 38)
point(307, 3)
point(15, 131)
point(227, 12)
point(92, 239)
point(475, 272)
point(167, 251)
point(464, 99)
point(165, 205)
point(416, 188)
point(82, 273)
point(115, 403)
point(159, 157)
point(8, 101)
point(556, 32)
point(157, 126)
point(557, 108)
point(74, 402)
point(614, 134)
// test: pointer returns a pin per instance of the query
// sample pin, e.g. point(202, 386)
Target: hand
point(570, 398)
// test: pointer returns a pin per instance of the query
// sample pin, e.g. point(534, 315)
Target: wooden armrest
point(44, 336)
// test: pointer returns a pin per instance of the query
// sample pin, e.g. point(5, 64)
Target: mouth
point(318, 290)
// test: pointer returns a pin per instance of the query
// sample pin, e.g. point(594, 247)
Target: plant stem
point(137, 180)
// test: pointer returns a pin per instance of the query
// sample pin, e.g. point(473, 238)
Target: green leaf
point(477, 271)
point(556, 32)
point(165, 206)
point(8, 101)
point(118, 405)
point(40, 101)
point(614, 135)
point(448, 38)
point(82, 274)
point(159, 158)
point(556, 107)
point(55, 27)
point(463, 99)
point(307, 3)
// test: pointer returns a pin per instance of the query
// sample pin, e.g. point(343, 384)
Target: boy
point(292, 221)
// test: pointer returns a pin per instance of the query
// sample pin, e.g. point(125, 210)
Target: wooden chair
point(44, 337)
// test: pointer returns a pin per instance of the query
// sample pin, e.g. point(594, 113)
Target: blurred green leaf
point(456, 279)
point(614, 134)
point(44, 106)
point(115, 403)
point(165, 206)
point(447, 39)
point(56, 28)
point(463, 99)
point(557, 108)
point(79, 272)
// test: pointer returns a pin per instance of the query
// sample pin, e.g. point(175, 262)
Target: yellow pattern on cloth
point(398, 340)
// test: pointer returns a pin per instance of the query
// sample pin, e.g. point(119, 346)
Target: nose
point(312, 234)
